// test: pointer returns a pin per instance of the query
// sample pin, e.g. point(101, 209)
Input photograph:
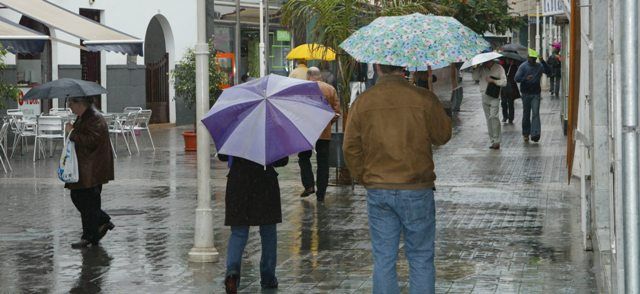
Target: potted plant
point(184, 83)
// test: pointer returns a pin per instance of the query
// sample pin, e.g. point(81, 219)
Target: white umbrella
point(480, 58)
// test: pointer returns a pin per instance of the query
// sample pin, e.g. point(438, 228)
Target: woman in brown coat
point(90, 134)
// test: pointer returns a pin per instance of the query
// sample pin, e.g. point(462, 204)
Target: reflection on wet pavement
point(507, 223)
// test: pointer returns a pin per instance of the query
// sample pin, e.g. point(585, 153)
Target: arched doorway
point(35, 68)
point(156, 60)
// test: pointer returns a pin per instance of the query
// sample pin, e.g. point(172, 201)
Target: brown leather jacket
point(389, 133)
point(95, 160)
point(330, 94)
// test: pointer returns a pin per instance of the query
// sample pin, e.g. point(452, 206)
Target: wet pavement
point(507, 222)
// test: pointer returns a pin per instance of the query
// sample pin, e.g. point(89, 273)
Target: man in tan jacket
point(322, 145)
point(387, 148)
point(300, 72)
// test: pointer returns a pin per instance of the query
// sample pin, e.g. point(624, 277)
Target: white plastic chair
point(60, 111)
point(131, 109)
point(110, 121)
point(22, 129)
point(123, 125)
point(142, 124)
point(48, 128)
point(3, 146)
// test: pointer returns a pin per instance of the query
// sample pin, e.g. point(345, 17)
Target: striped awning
point(95, 36)
point(18, 39)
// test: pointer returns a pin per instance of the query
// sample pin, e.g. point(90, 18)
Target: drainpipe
point(203, 249)
point(629, 86)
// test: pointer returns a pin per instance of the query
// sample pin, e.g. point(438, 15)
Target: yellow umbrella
point(312, 52)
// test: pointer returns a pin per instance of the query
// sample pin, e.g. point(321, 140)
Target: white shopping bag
point(68, 168)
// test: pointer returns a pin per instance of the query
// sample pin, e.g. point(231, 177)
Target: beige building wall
point(523, 7)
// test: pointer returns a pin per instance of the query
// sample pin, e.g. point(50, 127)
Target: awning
point(95, 35)
point(18, 39)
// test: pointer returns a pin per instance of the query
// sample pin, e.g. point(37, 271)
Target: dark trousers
point(507, 108)
point(88, 203)
point(554, 88)
point(306, 172)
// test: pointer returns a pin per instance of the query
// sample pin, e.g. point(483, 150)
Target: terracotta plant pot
point(190, 142)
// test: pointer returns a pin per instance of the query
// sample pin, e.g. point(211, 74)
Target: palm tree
point(333, 21)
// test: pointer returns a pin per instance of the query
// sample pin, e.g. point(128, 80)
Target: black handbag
point(493, 90)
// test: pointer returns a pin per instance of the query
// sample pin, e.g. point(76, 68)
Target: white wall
point(131, 17)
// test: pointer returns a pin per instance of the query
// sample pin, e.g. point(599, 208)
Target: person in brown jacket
point(322, 145)
point(387, 147)
point(90, 134)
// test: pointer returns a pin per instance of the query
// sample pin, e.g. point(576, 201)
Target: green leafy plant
point(7, 91)
point(184, 78)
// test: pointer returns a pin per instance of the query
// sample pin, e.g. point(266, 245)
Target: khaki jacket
point(329, 93)
point(300, 72)
point(389, 133)
point(95, 160)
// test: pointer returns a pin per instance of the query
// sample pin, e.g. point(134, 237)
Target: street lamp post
point(203, 249)
point(263, 58)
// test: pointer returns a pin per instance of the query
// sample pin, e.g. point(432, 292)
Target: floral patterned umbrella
point(414, 40)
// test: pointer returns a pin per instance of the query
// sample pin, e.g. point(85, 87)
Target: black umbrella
point(512, 55)
point(516, 48)
point(65, 88)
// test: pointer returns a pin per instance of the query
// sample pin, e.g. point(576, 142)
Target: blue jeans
point(412, 213)
point(235, 248)
point(531, 115)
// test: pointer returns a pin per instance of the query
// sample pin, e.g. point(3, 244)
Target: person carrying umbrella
point(256, 126)
point(492, 78)
point(322, 145)
point(90, 134)
point(387, 148)
point(528, 75)
point(510, 92)
point(300, 72)
point(252, 198)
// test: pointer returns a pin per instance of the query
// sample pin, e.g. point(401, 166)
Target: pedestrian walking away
point(322, 145)
point(555, 64)
point(252, 198)
point(300, 72)
point(387, 148)
point(95, 166)
point(529, 75)
point(510, 92)
point(492, 79)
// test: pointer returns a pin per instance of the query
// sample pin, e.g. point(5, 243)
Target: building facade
point(168, 29)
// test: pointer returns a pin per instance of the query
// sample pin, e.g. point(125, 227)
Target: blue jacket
point(531, 87)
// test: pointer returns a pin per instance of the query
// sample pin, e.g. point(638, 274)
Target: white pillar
point(203, 249)
point(545, 37)
point(263, 58)
point(538, 27)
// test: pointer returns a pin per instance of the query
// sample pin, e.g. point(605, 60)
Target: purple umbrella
point(269, 118)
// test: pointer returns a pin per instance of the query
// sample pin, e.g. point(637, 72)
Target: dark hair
point(301, 61)
point(387, 69)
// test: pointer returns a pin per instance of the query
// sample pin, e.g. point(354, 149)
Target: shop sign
point(283, 36)
point(553, 7)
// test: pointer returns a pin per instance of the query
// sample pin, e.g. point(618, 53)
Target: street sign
point(553, 7)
